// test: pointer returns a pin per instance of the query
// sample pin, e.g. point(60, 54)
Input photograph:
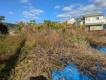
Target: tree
point(47, 22)
point(3, 29)
point(20, 25)
point(2, 18)
point(31, 22)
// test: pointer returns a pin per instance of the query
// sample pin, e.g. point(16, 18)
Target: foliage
point(45, 47)
point(2, 18)
point(20, 25)
point(8, 44)
point(55, 25)
point(31, 22)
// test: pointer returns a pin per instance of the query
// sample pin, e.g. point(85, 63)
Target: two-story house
point(93, 21)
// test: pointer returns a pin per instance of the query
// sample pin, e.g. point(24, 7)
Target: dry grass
point(97, 37)
point(44, 50)
point(8, 45)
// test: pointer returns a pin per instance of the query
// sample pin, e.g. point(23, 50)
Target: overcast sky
point(55, 10)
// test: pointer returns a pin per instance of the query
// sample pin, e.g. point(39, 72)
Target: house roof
point(93, 14)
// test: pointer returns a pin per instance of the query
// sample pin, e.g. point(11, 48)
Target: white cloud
point(63, 15)
point(11, 12)
point(24, 1)
point(100, 3)
point(32, 13)
point(77, 10)
point(57, 7)
point(68, 8)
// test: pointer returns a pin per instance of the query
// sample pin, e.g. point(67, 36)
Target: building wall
point(104, 26)
point(92, 28)
point(82, 23)
point(94, 20)
point(105, 20)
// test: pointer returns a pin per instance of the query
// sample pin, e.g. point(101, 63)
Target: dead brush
point(44, 50)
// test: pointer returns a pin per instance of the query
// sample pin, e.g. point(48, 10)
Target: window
point(85, 18)
point(88, 19)
point(97, 18)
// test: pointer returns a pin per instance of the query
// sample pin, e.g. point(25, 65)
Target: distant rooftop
point(93, 14)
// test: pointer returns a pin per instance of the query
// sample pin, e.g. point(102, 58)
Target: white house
point(93, 21)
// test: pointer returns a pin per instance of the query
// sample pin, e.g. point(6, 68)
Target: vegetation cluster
point(36, 49)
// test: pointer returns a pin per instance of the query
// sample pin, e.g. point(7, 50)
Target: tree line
point(3, 28)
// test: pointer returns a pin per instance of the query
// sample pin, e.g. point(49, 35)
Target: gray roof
point(93, 14)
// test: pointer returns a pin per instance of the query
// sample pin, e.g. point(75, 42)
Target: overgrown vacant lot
point(42, 50)
point(98, 37)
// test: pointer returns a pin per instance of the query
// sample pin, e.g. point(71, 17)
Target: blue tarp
point(102, 49)
point(69, 72)
point(101, 75)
